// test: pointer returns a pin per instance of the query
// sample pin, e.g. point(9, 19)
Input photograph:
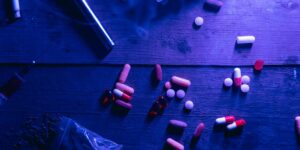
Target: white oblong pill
point(245, 39)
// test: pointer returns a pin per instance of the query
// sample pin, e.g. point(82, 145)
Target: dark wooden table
point(72, 71)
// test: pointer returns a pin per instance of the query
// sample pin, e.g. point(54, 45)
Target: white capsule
point(16, 9)
point(245, 79)
point(245, 39)
point(180, 94)
point(228, 82)
point(170, 93)
point(245, 88)
point(189, 105)
point(199, 21)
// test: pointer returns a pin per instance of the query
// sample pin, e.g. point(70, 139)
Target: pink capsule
point(158, 72)
point(198, 131)
point(123, 104)
point(224, 120)
point(237, 77)
point(122, 95)
point(125, 88)
point(176, 145)
point(181, 81)
point(124, 74)
point(178, 123)
point(297, 119)
point(168, 85)
point(237, 124)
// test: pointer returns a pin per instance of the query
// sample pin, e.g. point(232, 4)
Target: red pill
point(297, 119)
point(125, 88)
point(123, 104)
point(168, 85)
point(259, 64)
point(122, 95)
point(237, 124)
point(198, 131)
point(124, 73)
point(158, 72)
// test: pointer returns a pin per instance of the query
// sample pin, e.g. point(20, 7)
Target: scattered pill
point(125, 88)
point(245, 88)
point(162, 101)
point(237, 76)
point(245, 79)
point(124, 73)
point(228, 82)
point(225, 120)
point(214, 4)
point(189, 105)
point(176, 145)
point(198, 131)
point(297, 119)
point(180, 94)
point(107, 97)
point(16, 9)
point(259, 64)
point(158, 72)
point(199, 21)
point(245, 39)
point(170, 93)
point(122, 95)
point(237, 124)
point(178, 124)
point(123, 104)
point(168, 85)
point(155, 109)
point(181, 81)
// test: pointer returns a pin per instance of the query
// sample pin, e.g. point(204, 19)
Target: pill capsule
point(107, 97)
point(237, 124)
point(180, 94)
point(189, 105)
point(181, 81)
point(125, 88)
point(16, 9)
point(259, 64)
point(158, 72)
point(245, 79)
point(199, 21)
point(163, 102)
point(155, 109)
point(174, 144)
point(297, 120)
point(178, 124)
point(123, 104)
point(198, 131)
point(122, 95)
point(170, 93)
point(225, 120)
point(214, 4)
point(124, 73)
point(245, 88)
point(228, 82)
point(168, 85)
point(245, 39)
point(237, 77)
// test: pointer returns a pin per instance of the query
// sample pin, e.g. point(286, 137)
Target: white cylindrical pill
point(180, 94)
point(189, 105)
point(16, 9)
point(228, 82)
point(245, 79)
point(245, 39)
point(245, 88)
point(170, 93)
point(181, 81)
point(199, 21)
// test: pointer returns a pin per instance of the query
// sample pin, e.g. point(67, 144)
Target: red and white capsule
point(237, 77)
point(122, 95)
point(237, 124)
point(225, 120)
point(181, 81)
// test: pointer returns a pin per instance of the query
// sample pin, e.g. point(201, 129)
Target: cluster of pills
point(230, 122)
point(238, 81)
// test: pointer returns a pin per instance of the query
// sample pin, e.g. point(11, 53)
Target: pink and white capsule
point(176, 145)
point(125, 88)
point(237, 77)
point(224, 120)
point(237, 124)
point(122, 95)
point(124, 74)
point(181, 81)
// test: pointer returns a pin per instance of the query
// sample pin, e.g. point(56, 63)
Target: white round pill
point(180, 94)
point(245, 79)
point(228, 82)
point(170, 93)
point(189, 105)
point(199, 21)
point(245, 88)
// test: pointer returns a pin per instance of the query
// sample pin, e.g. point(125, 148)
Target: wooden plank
point(269, 108)
point(48, 33)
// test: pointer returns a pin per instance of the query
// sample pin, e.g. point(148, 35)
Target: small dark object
point(214, 5)
point(155, 109)
point(107, 97)
point(163, 102)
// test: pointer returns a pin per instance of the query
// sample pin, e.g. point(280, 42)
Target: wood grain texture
point(147, 33)
point(269, 108)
